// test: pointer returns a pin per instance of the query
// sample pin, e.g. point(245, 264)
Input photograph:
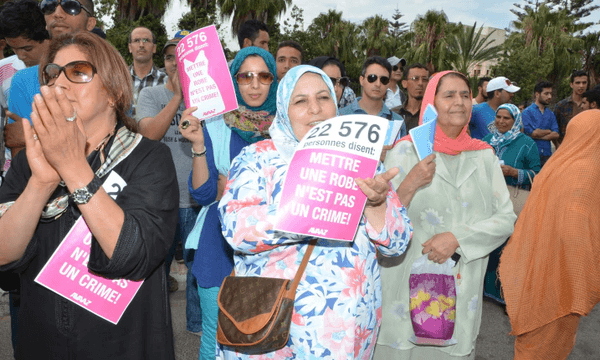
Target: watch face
point(81, 196)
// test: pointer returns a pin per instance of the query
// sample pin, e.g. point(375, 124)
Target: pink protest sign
point(66, 272)
point(320, 197)
point(204, 74)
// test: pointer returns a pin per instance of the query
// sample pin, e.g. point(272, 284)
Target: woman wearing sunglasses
point(254, 77)
point(337, 73)
point(81, 139)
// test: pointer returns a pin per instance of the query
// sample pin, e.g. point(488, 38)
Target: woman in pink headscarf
point(458, 202)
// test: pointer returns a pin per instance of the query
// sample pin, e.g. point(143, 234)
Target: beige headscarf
point(551, 265)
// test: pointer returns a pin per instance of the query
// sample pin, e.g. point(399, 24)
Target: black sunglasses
point(372, 78)
point(71, 7)
point(395, 68)
point(343, 81)
point(78, 72)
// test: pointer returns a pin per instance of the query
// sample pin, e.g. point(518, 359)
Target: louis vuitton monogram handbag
point(255, 313)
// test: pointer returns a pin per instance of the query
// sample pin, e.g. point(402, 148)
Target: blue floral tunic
point(338, 301)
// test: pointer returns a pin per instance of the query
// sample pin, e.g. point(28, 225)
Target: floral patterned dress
point(468, 197)
point(338, 301)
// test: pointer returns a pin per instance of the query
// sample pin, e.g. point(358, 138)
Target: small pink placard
point(204, 74)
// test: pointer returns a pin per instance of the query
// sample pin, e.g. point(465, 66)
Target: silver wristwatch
point(83, 195)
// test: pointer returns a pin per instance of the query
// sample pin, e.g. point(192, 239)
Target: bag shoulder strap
point(302, 267)
point(294, 284)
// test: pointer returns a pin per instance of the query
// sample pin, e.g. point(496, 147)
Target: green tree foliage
point(578, 10)
point(324, 23)
point(118, 36)
point(469, 47)
point(199, 17)
point(397, 28)
point(432, 33)
point(242, 10)
point(131, 10)
point(591, 56)
point(333, 36)
point(400, 36)
point(542, 47)
point(376, 39)
point(293, 29)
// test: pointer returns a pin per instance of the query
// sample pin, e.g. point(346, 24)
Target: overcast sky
point(495, 13)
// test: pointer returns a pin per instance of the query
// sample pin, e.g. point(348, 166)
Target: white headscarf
point(281, 129)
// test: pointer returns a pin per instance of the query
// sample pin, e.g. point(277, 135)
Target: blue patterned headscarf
point(269, 104)
point(498, 140)
point(281, 130)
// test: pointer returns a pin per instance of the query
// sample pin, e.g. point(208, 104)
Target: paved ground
point(493, 343)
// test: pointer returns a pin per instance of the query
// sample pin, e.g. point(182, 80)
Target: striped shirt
point(153, 78)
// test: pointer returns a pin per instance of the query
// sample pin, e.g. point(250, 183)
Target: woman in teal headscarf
point(517, 150)
point(213, 148)
point(520, 156)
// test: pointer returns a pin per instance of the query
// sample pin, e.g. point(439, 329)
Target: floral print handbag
point(432, 302)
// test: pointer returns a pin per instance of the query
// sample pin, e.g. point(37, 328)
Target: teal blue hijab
point(270, 104)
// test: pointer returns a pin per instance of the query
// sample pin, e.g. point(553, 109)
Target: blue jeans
point(193, 311)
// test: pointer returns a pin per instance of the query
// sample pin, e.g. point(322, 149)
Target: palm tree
point(432, 32)
point(132, 10)
point(591, 56)
point(242, 10)
point(375, 37)
point(325, 22)
point(542, 46)
point(469, 48)
point(549, 33)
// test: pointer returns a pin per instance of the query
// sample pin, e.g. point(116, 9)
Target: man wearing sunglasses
point(61, 17)
point(394, 96)
point(68, 16)
point(142, 45)
point(375, 77)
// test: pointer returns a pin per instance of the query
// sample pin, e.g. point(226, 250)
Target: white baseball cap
point(501, 83)
point(395, 60)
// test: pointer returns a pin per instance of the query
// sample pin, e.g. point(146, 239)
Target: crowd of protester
point(211, 188)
